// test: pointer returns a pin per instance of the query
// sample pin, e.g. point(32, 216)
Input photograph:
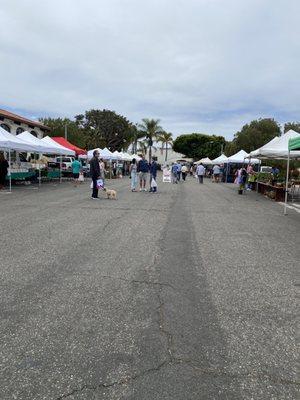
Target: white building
point(16, 124)
point(172, 156)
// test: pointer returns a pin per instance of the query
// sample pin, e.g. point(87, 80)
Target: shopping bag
point(81, 177)
point(100, 184)
point(153, 183)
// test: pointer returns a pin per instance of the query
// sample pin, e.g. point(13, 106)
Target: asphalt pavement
point(186, 294)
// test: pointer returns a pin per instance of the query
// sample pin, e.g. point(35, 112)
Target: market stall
point(235, 162)
point(279, 148)
point(9, 143)
point(65, 143)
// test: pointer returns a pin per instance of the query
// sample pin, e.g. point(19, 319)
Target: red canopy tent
point(62, 141)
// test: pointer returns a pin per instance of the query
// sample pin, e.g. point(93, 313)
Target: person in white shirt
point(200, 171)
point(216, 172)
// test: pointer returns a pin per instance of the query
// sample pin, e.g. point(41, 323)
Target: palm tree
point(165, 138)
point(150, 129)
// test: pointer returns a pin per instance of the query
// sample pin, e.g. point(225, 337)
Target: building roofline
point(18, 118)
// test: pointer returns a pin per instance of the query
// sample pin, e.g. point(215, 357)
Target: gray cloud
point(199, 65)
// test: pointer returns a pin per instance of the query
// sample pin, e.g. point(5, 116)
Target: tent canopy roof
point(63, 142)
point(42, 146)
point(222, 159)
point(242, 157)
point(278, 147)
point(11, 142)
point(59, 149)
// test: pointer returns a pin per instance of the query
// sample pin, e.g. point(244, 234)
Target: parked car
point(66, 162)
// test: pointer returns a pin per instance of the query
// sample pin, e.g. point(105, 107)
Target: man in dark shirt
point(153, 174)
point(95, 172)
point(143, 169)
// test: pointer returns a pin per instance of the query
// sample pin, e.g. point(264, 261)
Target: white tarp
point(241, 157)
point(222, 159)
point(61, 150)
point(278, 147)
point(11, 142)
point(32, 140)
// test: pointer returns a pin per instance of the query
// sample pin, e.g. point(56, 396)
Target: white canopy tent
point(222, 159)
point(117, 155)
point(137, 157)
point(277, 148)
point(104, 153)
point(10, 142)
point(205, 161)
point(60, 150)
point(42, 147)
point(127, 157)
point(242, 157)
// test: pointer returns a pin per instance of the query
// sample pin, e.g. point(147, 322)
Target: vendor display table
point(21, 176)
point(274, 192)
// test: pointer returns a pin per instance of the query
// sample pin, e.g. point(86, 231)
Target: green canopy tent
point(293, 145)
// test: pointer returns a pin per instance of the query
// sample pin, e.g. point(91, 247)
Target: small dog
point(111, 194)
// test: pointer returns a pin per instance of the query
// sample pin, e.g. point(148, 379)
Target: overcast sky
point(205, 66)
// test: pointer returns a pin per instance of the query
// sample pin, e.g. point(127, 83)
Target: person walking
point(153, 174)
point(216, 173)
point(179, 167)
point(184, 171)
point(143, 169)
point(3, 170)
point(133, 175)
point(174, 174)
point(200, 171)
point(76, 168)
point(95, 172)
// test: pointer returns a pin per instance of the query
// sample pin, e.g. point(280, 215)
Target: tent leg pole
point(286, 184)
point(40, 175)
point(9, 162)
point(60, 169)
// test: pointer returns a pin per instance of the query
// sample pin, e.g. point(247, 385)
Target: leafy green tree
point(198, 145)
point(165, 139)
point(295, 126)
point(150, 129)
point(75, 135)
point(256, 134)
point(106, 129)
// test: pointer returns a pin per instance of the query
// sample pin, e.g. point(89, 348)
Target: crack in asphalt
point(171, 361)
point(142, 282)
point(121, 382)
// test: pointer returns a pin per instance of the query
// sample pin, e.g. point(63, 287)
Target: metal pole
point(9, 162)
point(60, 169)
point(40, 175)
point(287, 183)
